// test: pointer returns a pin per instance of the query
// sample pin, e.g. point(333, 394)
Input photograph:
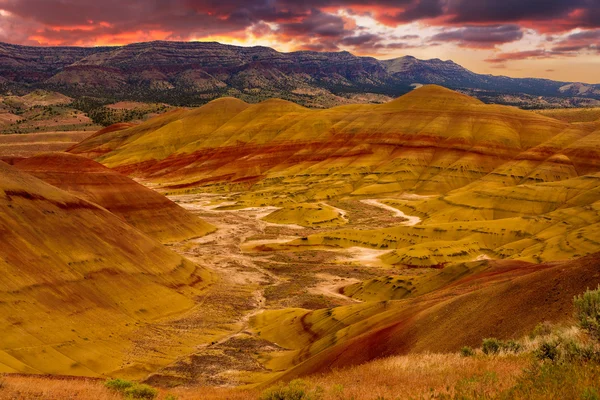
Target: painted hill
point(191, 73)
point(470, 214)
point(141, 207)
point(493, 299)
point(474, 137)
point(501, 182)
point(79, 285)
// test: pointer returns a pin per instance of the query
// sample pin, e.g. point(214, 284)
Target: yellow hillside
point(345, 234)
point(315, 215)
point(501, 182)
point(79, 285)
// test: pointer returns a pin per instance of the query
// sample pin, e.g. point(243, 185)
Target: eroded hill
point(141, 207)
point(79, 285)
point(486, 180)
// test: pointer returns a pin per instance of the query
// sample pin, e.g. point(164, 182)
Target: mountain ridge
point(192, 73)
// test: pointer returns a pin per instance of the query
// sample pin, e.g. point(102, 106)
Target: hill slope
point(495, 299)
point(141, 207)
point(79, 284)
point(501, 182)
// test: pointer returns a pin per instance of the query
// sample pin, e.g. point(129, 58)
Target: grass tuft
point(118, 384)
point(467, 351)
point(491, 346)
point(295, 390)
point(141, 391)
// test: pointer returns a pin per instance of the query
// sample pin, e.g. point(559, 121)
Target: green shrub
point(548, 351)
point(295, 390)
point(573, 351)
point(556, 381)
point(140, 391)
point(590, 393)
point(491, 346)
point(512, 346)
point(171, 397)
point(466, 351)
point(118, 384)
point(587, 308)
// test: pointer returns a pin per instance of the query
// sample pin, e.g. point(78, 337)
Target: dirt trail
point(411, 220)
point(331, 285)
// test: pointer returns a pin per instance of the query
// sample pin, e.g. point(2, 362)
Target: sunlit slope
point(497, 299)
point(573, 114)
point(431, 140)
point(78, 284)
point(506, 183)
point(543, 222)
point(192, 126)
point(309, 215)
point(110, 138)
point(141, 207)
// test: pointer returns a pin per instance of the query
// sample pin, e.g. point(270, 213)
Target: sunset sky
point(557, 39)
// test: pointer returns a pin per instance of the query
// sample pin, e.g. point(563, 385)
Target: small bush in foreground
point(587, 308)
point(557, 381)
point(131, 390)
point(118, 384)
point(548, 350)
point(295, 390)
point(491, 346)
point(467, 352)
point(582, 353)
point(139, 391)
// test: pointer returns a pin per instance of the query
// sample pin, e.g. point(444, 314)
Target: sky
point(555, 39)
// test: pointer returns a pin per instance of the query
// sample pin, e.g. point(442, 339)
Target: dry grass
point(416, 376)
point(54, 388)
point(422, 376)
point(412, 376)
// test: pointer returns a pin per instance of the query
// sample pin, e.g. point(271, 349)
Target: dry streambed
point(248, 283)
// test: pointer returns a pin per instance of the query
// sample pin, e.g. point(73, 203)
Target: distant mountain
point(191, 73)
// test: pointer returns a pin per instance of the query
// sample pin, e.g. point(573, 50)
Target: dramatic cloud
point(521, 55)
point(316, 23)
point(578, 42)
point(481, 36)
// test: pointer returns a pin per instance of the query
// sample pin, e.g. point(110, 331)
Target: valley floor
point(249, 283)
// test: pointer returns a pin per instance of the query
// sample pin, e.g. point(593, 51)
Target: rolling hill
point(346, 234)
point(139, 206)
point(489, 180)
point(491, 299)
